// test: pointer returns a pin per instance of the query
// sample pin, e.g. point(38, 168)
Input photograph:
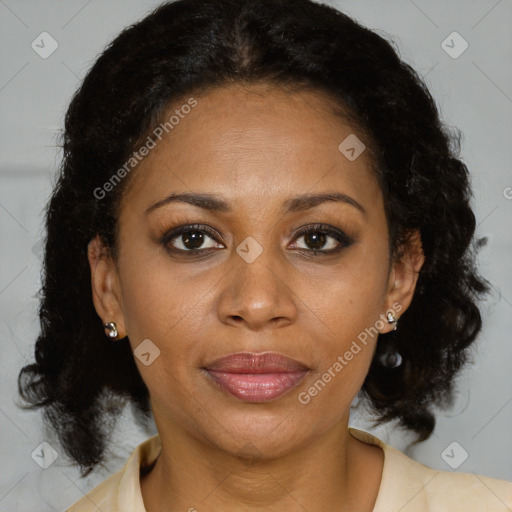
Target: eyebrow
point(295, 204)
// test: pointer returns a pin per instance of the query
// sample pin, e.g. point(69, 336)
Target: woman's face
point(245, 279)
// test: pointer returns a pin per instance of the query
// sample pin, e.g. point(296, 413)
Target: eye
point(323, 239)
point(194, 238)
point(198, 239)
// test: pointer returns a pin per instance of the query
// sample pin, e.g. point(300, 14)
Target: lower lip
point(257, 387)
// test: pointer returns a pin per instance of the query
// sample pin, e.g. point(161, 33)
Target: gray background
point(474, 93)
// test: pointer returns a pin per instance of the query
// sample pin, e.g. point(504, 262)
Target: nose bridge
point(258, 262)
point(257, 292)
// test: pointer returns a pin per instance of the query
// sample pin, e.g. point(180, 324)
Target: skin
point(254, 146)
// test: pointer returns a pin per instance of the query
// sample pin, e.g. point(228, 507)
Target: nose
point(257, 295)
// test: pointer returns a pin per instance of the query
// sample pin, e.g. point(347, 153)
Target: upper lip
point(251, 362)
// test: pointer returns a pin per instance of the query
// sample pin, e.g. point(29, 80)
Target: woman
point(259, 216)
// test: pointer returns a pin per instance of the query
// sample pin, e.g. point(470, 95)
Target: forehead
point(256, 143)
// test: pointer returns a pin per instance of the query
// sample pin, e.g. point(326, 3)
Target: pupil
point(194, 238)
point(314, 240)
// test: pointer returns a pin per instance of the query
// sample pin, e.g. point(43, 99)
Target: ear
point(106, 291)
point(403, 276)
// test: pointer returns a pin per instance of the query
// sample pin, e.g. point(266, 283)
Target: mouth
point(256, 378)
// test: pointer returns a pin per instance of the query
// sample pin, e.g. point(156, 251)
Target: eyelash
point(342, 238)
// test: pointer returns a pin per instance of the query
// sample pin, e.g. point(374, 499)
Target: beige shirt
point(406, 486)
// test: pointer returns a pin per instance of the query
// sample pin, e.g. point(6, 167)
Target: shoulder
point(467, 492)
point(409, 486)
point(121, 491)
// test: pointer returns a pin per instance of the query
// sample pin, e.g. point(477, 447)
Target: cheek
point(348, 306)
point(343, 352)
point(154, 310)
point(154, 297)
point(351, 293)
point(163, 304)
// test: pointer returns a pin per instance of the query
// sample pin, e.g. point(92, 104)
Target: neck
point(335, 472)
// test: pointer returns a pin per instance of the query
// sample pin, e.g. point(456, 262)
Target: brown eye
point(194, 238)
point(323, 239)
point(191, 240)
point(316, 240)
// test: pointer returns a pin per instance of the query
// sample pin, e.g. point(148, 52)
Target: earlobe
point(105, 285)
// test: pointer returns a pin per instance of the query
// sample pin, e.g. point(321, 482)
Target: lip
point(256, 377)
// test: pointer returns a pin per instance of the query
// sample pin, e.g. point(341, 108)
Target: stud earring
point(111, 330)
point(392, 319)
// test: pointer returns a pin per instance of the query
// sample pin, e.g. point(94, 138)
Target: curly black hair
point(189, 47)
